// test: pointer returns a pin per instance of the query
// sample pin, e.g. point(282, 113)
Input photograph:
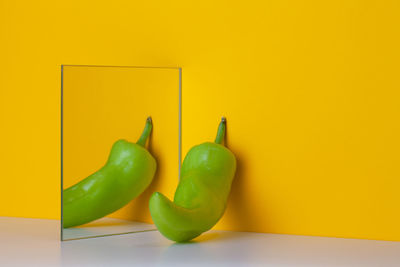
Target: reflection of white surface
point(36, 242)
point(106, 226)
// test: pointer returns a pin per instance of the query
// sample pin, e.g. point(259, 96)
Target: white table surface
point(106, 226)
point(35, 242)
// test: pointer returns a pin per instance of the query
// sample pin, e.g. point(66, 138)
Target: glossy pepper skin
point(129, 170)
point(201, 196)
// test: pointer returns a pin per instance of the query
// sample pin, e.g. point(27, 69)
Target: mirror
point(106, 184)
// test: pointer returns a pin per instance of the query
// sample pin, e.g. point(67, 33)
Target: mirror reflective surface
point(106, 183)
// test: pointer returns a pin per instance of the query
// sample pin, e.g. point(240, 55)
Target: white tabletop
point(35, 242)
point(106, 226)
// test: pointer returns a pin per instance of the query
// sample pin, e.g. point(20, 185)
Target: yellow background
point(104, 104)
point(310, 89)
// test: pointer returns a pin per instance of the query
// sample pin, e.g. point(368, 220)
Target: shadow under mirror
point(120, 142)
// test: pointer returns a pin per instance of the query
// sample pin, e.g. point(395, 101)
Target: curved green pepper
point(129, 170)
point(200, 198)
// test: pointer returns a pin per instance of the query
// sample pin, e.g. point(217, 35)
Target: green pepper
point(129, 170)
point(201, 196)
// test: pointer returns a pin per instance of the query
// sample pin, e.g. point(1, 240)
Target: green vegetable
point(200, 199)
point(129, 170)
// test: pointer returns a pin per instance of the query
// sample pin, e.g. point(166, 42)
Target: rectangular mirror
point(99, 106)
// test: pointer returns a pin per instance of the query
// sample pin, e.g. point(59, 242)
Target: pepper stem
point(146, 132)
point(221, 131)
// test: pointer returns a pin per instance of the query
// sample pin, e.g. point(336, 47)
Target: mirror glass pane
point(101, 105)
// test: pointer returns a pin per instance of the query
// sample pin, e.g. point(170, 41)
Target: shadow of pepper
point(238, 215)
point(138, 209)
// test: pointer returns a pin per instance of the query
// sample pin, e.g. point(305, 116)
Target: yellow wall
point(310, 90)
